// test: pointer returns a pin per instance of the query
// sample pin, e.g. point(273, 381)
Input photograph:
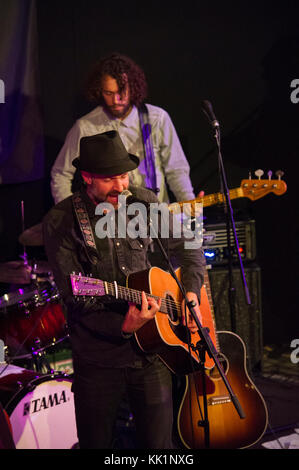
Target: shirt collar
point(130, 120)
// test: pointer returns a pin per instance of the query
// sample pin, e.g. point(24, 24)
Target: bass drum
point(41, 413)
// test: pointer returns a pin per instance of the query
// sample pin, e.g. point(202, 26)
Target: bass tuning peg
point(279, 174)
point(259, 173)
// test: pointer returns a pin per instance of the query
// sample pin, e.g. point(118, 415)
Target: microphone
point(131, 199)
point(208, 110)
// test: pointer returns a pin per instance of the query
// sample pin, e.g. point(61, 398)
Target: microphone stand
point(205, 345)
point(230, 224)
point(208, 110)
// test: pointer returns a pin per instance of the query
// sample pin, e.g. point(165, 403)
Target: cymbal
point(15, 272)
point(33, 236)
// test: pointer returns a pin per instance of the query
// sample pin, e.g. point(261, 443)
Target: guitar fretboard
point(168, 305)
point(217, 198)
point(208, 200)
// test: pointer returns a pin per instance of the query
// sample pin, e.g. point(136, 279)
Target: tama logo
point(39, 404)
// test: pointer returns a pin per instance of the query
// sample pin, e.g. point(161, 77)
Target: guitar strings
point(136, 295)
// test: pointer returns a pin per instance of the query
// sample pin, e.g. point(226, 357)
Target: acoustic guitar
point(164, 335)
point(226, 429)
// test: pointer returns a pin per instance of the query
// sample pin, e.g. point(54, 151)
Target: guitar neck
point(252, 188)
point(217, 198)
point(208, 200)
point(96, 287)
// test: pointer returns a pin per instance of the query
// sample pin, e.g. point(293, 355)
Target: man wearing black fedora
point(107, 362)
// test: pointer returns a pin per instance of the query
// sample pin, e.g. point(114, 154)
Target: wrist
point(125, 334)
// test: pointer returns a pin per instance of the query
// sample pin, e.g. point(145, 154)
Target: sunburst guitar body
point(226, 429)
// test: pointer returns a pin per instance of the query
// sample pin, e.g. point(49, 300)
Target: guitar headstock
point(83, 285)
point(256, 188)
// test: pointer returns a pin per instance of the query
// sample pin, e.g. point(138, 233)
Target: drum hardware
point(39, 358)
point(37, 355)
point(31, 321)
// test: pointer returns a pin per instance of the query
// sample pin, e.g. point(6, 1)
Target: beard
point(118, 111)
point(98, 197)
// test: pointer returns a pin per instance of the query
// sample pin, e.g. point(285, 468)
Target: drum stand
point(37, 360)
point(40, 361)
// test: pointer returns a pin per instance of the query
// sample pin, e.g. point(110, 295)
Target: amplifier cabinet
point(247, 321)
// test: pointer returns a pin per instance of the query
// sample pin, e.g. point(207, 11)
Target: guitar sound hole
point(214, 373)
point(172, 309)
point(174, 315)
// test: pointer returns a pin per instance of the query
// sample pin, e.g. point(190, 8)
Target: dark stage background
point(242, 56)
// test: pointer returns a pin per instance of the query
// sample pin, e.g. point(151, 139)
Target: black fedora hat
point(104, 154)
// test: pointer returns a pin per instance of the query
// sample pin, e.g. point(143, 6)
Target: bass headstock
point(257, 188)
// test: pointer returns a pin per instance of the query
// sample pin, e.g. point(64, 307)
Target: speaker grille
point(247, 321)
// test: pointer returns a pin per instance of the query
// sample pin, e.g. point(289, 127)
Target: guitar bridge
point(219, 400)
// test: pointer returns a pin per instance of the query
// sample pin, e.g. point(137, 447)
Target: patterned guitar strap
point(85, 226)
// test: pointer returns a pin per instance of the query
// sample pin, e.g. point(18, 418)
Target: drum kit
point(37, 400)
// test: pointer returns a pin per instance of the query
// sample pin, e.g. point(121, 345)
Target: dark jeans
point(99, 391)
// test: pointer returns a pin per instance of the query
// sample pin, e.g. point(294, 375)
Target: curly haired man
point(118, 87)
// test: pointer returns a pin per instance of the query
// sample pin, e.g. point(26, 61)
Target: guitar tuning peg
point(270, 173)
point(259, 173)
point(279, 174)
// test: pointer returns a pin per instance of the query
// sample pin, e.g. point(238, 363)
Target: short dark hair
point(116, 65)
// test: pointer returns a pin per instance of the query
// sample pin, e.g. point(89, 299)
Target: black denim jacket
point(95, 325)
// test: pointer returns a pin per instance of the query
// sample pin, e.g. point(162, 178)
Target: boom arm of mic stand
point(206, 342)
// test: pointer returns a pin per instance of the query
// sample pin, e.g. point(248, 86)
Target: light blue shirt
point(170, 161)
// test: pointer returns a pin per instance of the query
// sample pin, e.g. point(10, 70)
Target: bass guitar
point(226, 429)
point(252, 189)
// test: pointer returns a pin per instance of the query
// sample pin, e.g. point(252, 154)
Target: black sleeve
point(61, 249)
point(189, 255)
